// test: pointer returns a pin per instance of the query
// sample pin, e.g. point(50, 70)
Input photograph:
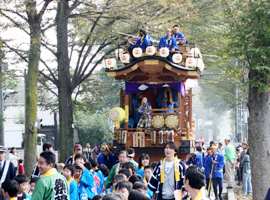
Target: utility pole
point(236, 112)
point(2, 138)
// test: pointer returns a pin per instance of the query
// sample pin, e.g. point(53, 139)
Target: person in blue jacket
point(145, 27)
point(180, 37)
point(107, 157)
point(169, 42)
point(217, 175)
point(68, 173)
point(196, 158)
point(86, 183)
point(143, 42)
point(207, 168)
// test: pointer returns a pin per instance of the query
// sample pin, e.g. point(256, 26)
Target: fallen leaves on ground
point(238, 190)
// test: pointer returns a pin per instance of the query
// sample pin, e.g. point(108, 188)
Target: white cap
point(227, 138)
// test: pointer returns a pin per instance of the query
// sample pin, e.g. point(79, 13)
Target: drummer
point(143, 42)
point(180, 37)
point(169, 42)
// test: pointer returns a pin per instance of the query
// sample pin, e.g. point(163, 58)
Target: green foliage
point(93, 126)
point(248, 39)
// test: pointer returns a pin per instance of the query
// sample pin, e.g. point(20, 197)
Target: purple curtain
point(132, 88)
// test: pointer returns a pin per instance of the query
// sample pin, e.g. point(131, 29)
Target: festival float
point(148, 75)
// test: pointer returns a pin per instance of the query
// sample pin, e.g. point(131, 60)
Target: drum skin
point(158, 121)
point(171, 121)
point(117, 114)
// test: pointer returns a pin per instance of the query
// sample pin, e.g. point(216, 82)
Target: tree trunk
point(64, 89)
point(259, 139)
point(30, 146)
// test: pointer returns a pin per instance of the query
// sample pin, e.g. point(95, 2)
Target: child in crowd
point(124, 187)
point(136, 195)
point(117, 178)
point(98, 176)
point(141, 187)
point(105, 171)
point(130, 166)
point(97, 197)
point(23, 184)
point(20, 166)
point(125, 172)
point(78, 172)
point(68, 173)
point(134, 178)
point(86, 183)
point(144, 160)
point(148, 171)
point(32, 185)
point(10, 189)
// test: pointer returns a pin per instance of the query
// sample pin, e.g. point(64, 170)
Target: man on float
point(143, 42)
point(145, 27)
point(180, 37)
point(169, 42)
point(168, 95)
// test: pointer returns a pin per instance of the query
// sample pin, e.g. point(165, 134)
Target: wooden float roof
point(153, 70)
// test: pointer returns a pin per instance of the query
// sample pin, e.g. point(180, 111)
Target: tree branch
point(14, 22)
point(42, 11)
point(55, 80)
point(17, 52)
point(47, 77)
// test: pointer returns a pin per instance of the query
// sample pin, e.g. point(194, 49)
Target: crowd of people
point(99, 173)
point(220, 162)
point(171, 40)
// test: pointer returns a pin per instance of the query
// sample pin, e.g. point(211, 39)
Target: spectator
point(220, 148)
point(23, 184)
point(113, 196)
point(95, 152)
point(46, 147)
point(124, 187)
point(125, 172)
point(169, 174)
point(136, 195)
point(86, 182)
point(21, 168)
point(33, 184)
point(230, 158)
point(10, 189)
point(68, 173)
point(44, 188)
point(71, 159)
point(242, 154)
point(129, 165)
point(87, 151)
point(194, 183)
point(6, 167)
point(116, 179)
point(135, 178)
point(13, 157)
point(247, 187)
point(131, 155)
point(123, 157)
point(144, 160)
